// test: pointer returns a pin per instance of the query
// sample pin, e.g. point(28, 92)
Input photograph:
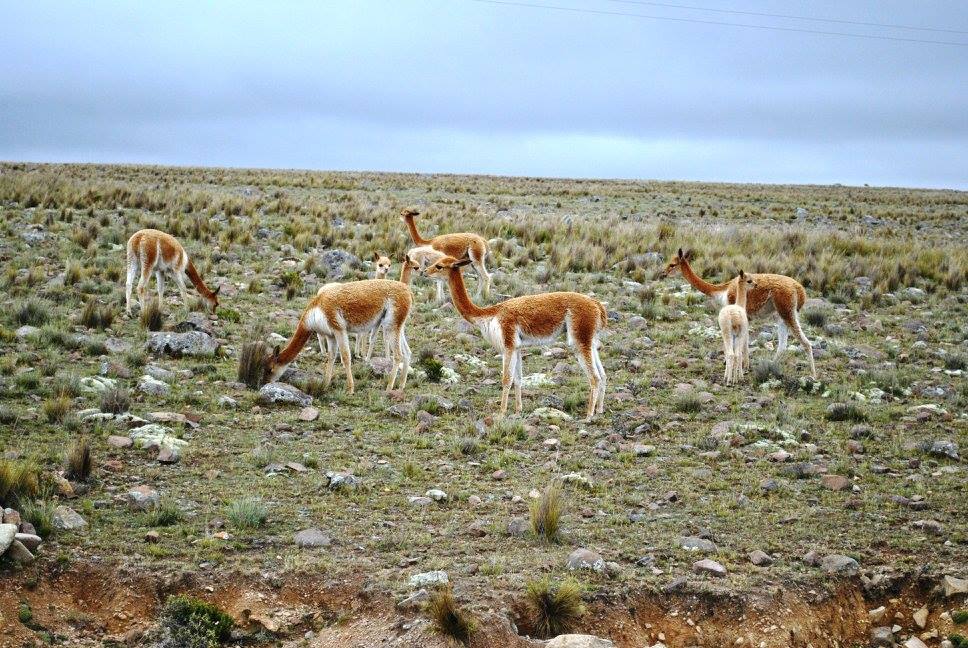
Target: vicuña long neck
point(699, 283)
point(406, 273)
point(465, 306)
point(296, 343)
point(196, 280)
point(414, 234)
point(741, 293)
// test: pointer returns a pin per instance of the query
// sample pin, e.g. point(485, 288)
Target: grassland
point(883, 349)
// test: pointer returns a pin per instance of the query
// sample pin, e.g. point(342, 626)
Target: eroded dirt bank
point(94, 605)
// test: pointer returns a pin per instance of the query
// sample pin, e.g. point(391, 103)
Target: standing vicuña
point(457, 246)
point(773, 293)
point(735, 327)
point(156, 251)
point(354, 307)
point(534, 320)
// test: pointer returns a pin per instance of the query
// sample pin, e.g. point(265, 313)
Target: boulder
point(840, 565)
point(153, 387)
point(30, 540)
point(429, 579)
point(7, 534)
point(19, 553)
point(311, 538)
point(835, 482)
point(67, 519)
point(26, 331)
point(143, 498)
point(277, 392)
point(578, 641)
point(760, 558)
point(191, 343)
point(955, 586)
point(693, 543)
point(707, 566)
point(585, 559)
point(153, 434)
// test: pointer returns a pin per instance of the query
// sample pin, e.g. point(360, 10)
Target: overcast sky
point(467, 86)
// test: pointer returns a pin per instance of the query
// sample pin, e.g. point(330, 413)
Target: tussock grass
point(193, 623)
point(56, 408)
point(33, 312)
point(845, 412)
point(167, 513)
point(447, 618)
point(686, 402)
point(254, 364)
point(96, 316)
point(151, 318)
point(553, 609)
point(247, 513)
point(546, 513)
point(115, 401)
point(79, 462)
point(39, 513)
point(19, 480)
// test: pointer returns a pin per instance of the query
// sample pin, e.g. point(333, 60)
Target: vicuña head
point(381, 265)
point(445, 264)
point(408, 213)
point(211, 300)
point(274, 367)
point(675, 263)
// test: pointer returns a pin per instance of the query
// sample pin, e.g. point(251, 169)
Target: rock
point(96, 384)
point(143, 498)
point(429, 579)
point(64, 488)
point(760, 558)
point(642, 450)
point(343, 480)
point(277, 392)
point(10, 516)
point(578, 641)
point(154, 435)
point(168, 455)
point(840, 565)
point(311, 539)
point(308, 414)
point(835, 482)
point(30, 540)
point(67, 519)
point(26, 331)
point(121, 442)
point(191, 343)
point(943, 448)
point(801, 470)
point(227, 402)
point(932, 527)
point(117, 345)
point(152, 387)
point(420, 501)
point(707, 566)
point(877, 614)
point(882, 636)
point(955, 586)
point(550, 414)
point(914, 642)
point(334, 262)
point(152, 537)
point(19, 553)
point(7, 534)
point(811, 558)
point(414, 602)
point(518, 527)
point(585, 559)
point(693, 543)
point(436, 495)
point(921, 617)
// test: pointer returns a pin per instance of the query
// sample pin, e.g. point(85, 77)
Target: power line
point(602, 12)
point(670, 5)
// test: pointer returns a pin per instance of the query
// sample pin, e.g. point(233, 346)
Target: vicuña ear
point(376, 256)
point(217, 289)
point(680, 253)
point(463, 262)
point(688, 255)
point(275, 352)
point(742, 275)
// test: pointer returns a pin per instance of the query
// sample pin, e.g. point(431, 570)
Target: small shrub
point(469, 446)
point(40, 514)
point(151, 317)
point(958, 641)
point(895, 382)
point(959, 616)
point(34, 312)
point(19, 480)
point(79, 460)
point(229, 315)
point(247, 513)
point(254, 364)
point(432, 366)
point(73, 273)
point(56, 408)
point(687, 402)
point(447, 619)
point(165, 514)
point(766, 370)
point(553, 610)
point(816, 317)
point(315, 386)
point(97, 316)
point(546, 513)
point(27, 381)
point(192, 623)
point(955, 363)
point(115, 401)
point(845, 412)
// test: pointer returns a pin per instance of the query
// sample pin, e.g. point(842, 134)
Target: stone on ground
point(283, 393)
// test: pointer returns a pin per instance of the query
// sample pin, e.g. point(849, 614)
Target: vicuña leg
point(600, 368)
point(807, 347)
point(160, 280)
point(330, 360)
point(518, 377)
point(506, 377)
point(782, 333)
point(483, 277)
point(583, 352)
point(143, 284)
point(129, 282)
point(343, 340)
point(180, 280)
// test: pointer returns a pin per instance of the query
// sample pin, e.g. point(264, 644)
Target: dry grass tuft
point(80, 463)
point(546, 513)
point(97, 316)
point(554, 610)
point(152, 318)
point(447, 618)
point(19, 480)
point(115, 401)
point(254, 364)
